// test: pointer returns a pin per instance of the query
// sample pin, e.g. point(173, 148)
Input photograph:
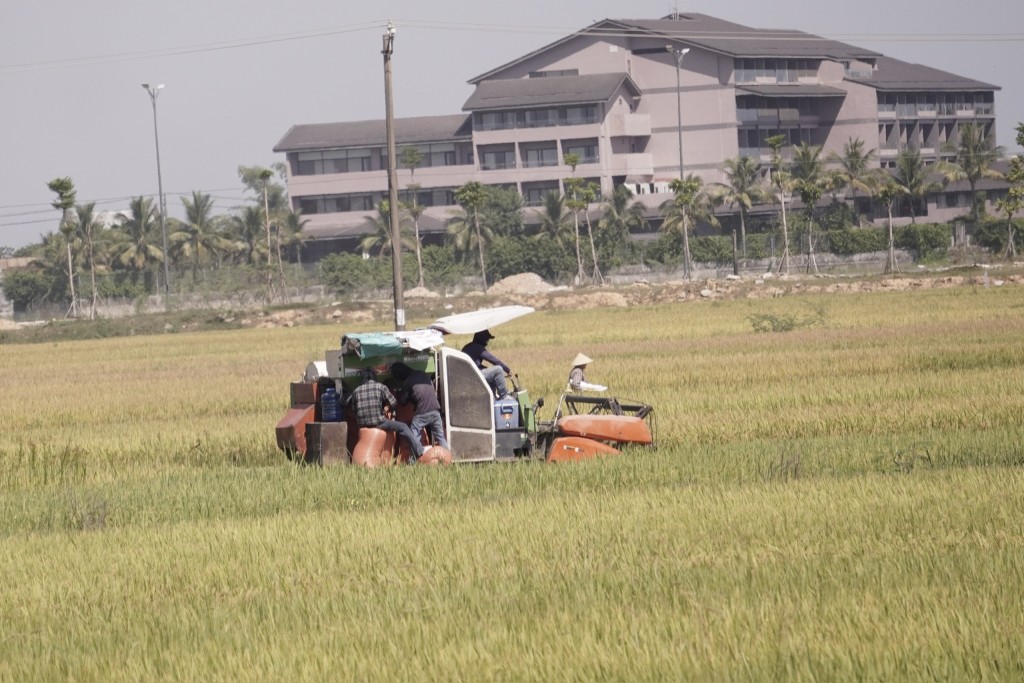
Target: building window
point(586, 150)
point(491, 160)
point(537, 157)
point(534, 193)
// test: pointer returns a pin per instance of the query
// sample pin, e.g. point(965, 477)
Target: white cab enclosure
point(468, 405)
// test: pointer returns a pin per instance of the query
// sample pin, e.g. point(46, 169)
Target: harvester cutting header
point(479, 424)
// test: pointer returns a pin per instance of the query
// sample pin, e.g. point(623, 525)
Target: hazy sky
point(238, 74)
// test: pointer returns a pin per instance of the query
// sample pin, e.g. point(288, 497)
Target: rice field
point(841, 501)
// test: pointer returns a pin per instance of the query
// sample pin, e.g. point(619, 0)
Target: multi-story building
point(637, 102)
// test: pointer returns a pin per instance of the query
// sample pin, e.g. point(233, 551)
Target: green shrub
point(857, 240)
point(929, 240)
point(711, 249)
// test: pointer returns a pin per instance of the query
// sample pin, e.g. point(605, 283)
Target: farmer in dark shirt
point(418, 390)
point(368, 401)
point(495, 374)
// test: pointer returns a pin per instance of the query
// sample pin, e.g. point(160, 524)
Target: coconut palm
point(810, 181)
point(1014, 199)
point(411, 158)
point(247, 232)
point(378, 238)
point(889, 190)
point(690, 202)
point(553, 217)
point(138, 251)
point(620, 215)
point(913, 178)
point(975, 155)
point(86, 227)
point(854, 170)
point(466, 228)
point(199, 235)
point(782, 183)
point(743, 189)
point(576, 202)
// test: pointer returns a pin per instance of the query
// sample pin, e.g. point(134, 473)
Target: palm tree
point(620, 215)
point(691, 202)
point(291, 234)
point(467, 229)
point(743, 189)
point(411, 158)
point(888, 191)
point(576, 202)
point(855, 171)
point(247, 229)
point(554, 220)
point(86, 228)
point(379, 239)
point(199, 235)
point(913, 179)
point(65, 190)
point(975, 155)
point(1014, 199)
point(811, 182)
point(138, 252)
point(782, 183)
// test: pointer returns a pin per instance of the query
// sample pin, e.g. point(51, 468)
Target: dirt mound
point(522, 284)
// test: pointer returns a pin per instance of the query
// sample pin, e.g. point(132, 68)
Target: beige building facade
point(618, 95)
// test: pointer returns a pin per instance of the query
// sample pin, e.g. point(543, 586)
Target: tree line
point(575, 236)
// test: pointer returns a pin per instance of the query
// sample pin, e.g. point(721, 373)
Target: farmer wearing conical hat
point(577, 378)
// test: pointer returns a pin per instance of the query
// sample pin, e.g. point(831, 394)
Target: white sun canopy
point(474, 321)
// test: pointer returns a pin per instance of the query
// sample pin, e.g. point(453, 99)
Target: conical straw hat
point(581, 360)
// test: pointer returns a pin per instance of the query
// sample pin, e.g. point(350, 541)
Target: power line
point(308, 34)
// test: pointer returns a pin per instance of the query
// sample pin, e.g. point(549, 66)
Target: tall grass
point(832, 503)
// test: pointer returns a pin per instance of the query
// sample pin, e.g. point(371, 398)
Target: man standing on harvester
point(418, 390)
point(495, 374)
point(368, 401)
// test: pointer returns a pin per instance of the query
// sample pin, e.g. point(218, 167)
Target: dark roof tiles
point(418, 129)
point(534, 92)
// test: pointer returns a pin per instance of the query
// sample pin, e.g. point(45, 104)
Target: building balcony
point(632, 165)
point(629, 125)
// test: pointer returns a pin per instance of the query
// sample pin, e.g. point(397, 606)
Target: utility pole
point(154, 91)
point(396, 230)
point(679, 54)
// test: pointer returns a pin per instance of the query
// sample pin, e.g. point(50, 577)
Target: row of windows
point(366, 201)
point(368, 159)
point(780, 70)
point(537, 155)
point(537, 118)
point(754, 141)
point(533, 195)
point(921, 134)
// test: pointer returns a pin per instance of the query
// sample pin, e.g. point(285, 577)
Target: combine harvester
point(479, 427)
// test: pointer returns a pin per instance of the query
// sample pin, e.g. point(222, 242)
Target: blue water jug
point(330, 406)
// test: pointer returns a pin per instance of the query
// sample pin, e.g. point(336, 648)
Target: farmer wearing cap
point(495, 374)
point(577, 380)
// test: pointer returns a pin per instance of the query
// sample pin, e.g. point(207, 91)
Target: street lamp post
point(154, 91)
point(396, 234)
point(679, 54)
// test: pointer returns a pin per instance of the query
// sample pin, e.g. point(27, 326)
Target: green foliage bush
point(24, 287)
point(711, 249)
point(511, 255)
point(991, 234)
point(857, 240)
point(929, 240)
point(352, 274)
